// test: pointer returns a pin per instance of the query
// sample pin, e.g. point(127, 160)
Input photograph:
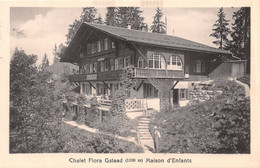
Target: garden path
point(93, 130)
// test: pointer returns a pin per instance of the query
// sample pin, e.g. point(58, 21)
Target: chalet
point(161, 62)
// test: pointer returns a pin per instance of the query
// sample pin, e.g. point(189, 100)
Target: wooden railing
point(158, 73)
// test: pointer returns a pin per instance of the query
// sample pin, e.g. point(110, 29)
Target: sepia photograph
point(130, 80)
point(143, 84)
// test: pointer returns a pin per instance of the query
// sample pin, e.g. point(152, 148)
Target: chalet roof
point(157, 39)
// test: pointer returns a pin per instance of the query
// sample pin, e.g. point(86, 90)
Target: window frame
point(127, 61)
point(160, 61)
point(140, 62)
point(171, 66)
point(99, 46)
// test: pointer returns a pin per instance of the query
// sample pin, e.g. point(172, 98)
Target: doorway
point(175, 97)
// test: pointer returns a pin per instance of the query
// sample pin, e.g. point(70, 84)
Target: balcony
point(158, 73)
point(138, 73)
point(101, 76)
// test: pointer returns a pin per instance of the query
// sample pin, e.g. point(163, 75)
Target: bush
point(214, 126)
point(78, 141)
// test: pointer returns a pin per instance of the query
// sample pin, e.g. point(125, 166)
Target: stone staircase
point(145, 138)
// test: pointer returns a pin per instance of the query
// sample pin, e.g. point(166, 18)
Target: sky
point(45, 27)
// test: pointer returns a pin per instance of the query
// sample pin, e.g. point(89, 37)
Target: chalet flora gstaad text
point(130, 160)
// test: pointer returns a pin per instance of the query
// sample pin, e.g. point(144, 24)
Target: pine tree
point(158, 26)
point(55, 53)
point(45, 62)
point(88, 14)
point(112, 17)
point(130, 15)
point(58, 52)
point(221, 31)
point(240, 44)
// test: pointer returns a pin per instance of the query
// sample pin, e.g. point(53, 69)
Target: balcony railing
point(138, 73)
point(158, 73)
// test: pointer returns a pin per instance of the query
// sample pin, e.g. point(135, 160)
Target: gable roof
point(145, 38)
point(157, 39)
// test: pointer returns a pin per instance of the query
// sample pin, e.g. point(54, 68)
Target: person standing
point(157, 137)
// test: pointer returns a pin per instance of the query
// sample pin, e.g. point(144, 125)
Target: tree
point(112, 17)
point(99, 19)
point(221, 31)
point(158, 26)
point(58, 52)
point(240, 44)
point(88, 14)
point(55, 53)
point(130, 15)
point(45, 62)
point(33, 107)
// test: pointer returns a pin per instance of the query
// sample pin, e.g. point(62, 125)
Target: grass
point(74, 140)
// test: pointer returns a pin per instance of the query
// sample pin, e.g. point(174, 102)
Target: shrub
point(214, 126)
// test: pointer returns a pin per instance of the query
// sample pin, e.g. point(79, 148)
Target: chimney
point(144, 27)
point(129, 26)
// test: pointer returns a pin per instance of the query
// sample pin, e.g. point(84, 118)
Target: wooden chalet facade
point(102, 52)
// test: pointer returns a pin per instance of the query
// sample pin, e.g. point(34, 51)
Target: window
point(116, 64)
point(140, 62)
point(150, 91)
point(106, 64)
point(102, 66)
point(120, 63)
point(86, 68)
point(94, 67)
point(94, 48)
point(174, 63)
point(182, 93)
point(91, 68)
point(105, 44)
point(89, 48)
point(102, 89)
point(98, 46)
point(113, 45)
point(127, 61)
point(197, 66)
point(112, 64)
point(156, 61)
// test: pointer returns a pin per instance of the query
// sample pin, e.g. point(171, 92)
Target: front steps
point(145, 138)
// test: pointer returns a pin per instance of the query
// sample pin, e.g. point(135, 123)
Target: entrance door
point(175, 96)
